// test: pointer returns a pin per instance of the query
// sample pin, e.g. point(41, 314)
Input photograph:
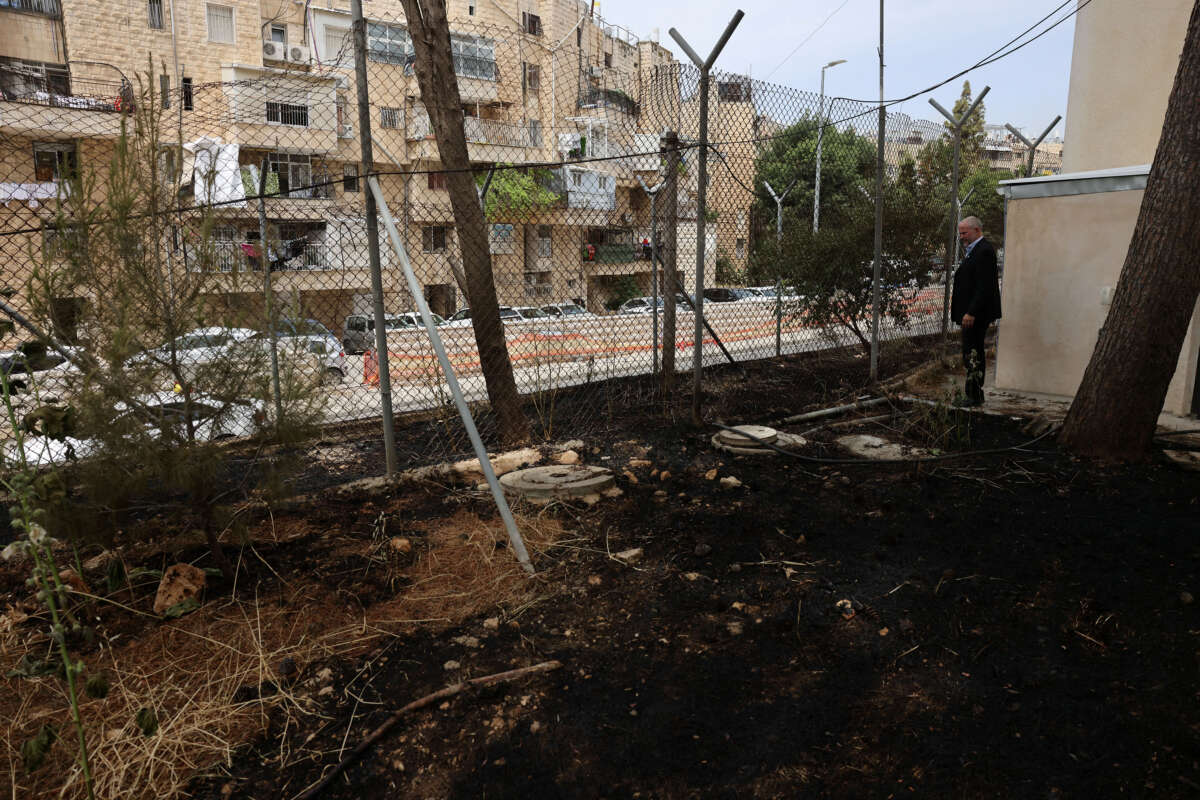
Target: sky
point(925, 41)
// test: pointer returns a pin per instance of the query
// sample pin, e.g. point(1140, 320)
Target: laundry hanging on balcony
point(216, 174)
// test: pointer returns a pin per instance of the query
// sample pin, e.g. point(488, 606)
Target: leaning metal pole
point(368, 166)
point(701, 200)
point(875, 276)
point(435, 338)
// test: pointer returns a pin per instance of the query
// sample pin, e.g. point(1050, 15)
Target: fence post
point(779, 317)
point(368, 166)
point(669, 147)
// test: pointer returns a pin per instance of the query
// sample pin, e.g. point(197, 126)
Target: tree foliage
point(517, 193)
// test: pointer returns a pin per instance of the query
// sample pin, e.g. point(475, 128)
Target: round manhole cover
point(576, 480)
point(757, 436)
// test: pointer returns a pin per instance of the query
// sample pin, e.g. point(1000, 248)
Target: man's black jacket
point(976, 285)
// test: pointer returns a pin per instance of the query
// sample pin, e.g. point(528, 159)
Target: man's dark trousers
point(974, 359)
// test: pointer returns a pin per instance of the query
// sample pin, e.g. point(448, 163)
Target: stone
point(179, 583)
point(665, 475)
point(467, 641)
point(72, 579)
point(325, 675)
point(631, 555)
point(711, 475)
point(735, 627)
point(594, 580)
point(567, 457)
point(98, 561)
point(401, 545)
point(325, 691)
point(660, 493)
point(730, 482)
point(452, 665)
point(629, 476)
point(635, 463)
point(535, 726)
point(702, 549)
point(691, 576)
point(492, 623)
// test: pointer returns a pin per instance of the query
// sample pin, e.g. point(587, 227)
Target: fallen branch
point(429, 699)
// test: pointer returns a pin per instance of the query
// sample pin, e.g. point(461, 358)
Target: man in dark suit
point(976, 303)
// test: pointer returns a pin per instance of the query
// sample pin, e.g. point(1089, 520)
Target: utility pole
point(956, 125)
point(1033, 145)
point(705, 65)
point(875, 276)
point(368, 166)
point(820, 135)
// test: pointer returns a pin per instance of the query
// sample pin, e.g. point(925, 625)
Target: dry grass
point(190, 671)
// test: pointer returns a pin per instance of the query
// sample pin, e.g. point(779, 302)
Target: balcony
point(229, 257)
point(47, 8)
point(48, 100)
point(608, 98)
point(476, 129)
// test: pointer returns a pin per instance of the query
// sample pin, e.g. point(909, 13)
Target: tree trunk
point(1116, 409)
point(430, 32)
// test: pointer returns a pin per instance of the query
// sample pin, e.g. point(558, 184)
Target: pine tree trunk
point(1116, 409)
point(430, 32)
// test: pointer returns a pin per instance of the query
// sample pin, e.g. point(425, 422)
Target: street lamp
point(820, 135)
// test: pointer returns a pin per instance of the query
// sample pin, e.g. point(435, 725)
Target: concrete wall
point(1122, 70)
point(1063, 253)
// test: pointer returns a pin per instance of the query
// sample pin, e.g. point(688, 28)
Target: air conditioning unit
point(596, 71)
point(273, 51)
point(297, 54)
point(342, 82)
point(346, 131)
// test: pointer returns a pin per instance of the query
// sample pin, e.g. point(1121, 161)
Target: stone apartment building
point(245, 83)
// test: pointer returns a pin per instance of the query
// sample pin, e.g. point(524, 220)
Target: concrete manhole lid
point(569, 480)
point(730, 442)
point(760, 432)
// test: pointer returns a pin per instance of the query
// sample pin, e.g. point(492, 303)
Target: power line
point(806, 38)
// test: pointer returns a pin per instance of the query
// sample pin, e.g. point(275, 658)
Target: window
point(154, 10)
point(279, 34)
point(531, 23)
point(500, 237)
point(294, 171)
point(545, 242)
point(433, 239)
point(350, 178)
point(164, 89)
point(186, 88)
point(389, 44)
point(604, 182)
point(579, 36)
point(535, 133)
point(739, 248)
point(389, 117)
point(474, 57)
point(338, 47)
point(471, 9)
point(608, 60)
point(437, 180)
point(54, 161)
point(287, 114)
point(533, 77)
point(220, 24)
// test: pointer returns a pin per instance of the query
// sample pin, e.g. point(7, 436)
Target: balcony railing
point(59, 90)
point(50, 8)
point(477, 130)
point(230, 257)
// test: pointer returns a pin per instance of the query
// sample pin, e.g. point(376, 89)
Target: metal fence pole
point(655, 284)
point(702, 193)
point(1033, 145)
point(368, 166)
point(669, 146)
point(779, 317)
point(878, 213)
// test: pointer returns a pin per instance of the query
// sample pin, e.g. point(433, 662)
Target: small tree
point(150, 411)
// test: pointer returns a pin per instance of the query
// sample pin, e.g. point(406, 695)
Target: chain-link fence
point(202, 226)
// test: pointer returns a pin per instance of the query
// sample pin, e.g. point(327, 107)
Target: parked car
point(326, 353)
point(18, 367)
point(729, 294)
point(566, 310)
point(639, 305)
point(212, 420)
point(358, 334)
point(462, 317)
point(197, 348)
point(531, 312)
